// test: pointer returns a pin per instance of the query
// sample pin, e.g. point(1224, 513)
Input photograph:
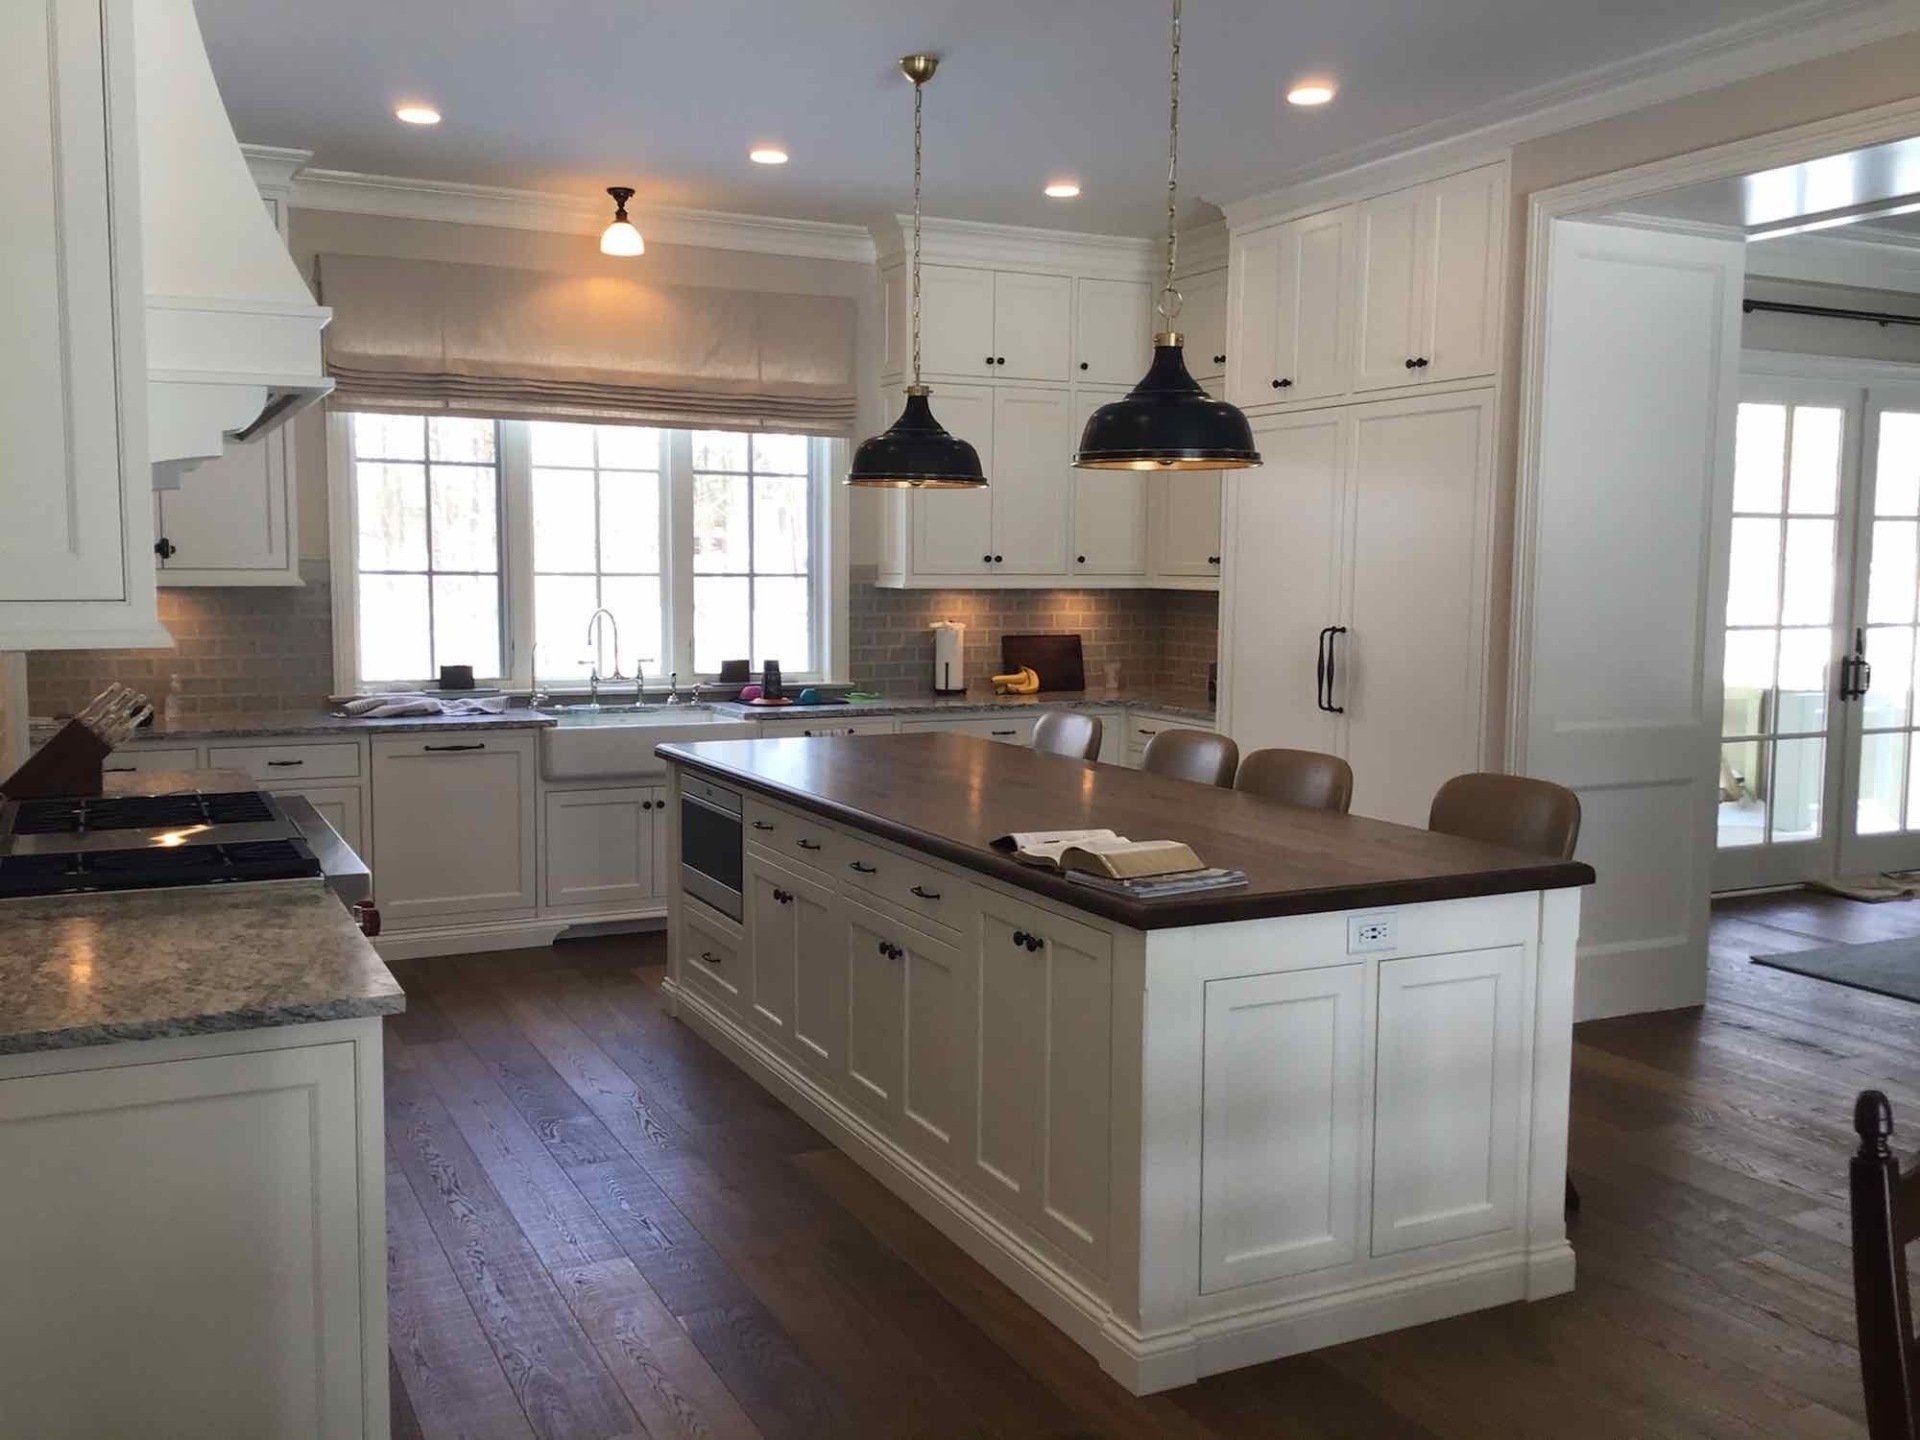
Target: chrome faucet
point(593, 638)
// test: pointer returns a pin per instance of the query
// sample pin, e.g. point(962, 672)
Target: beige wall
point(319, 232)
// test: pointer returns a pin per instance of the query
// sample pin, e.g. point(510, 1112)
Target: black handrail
point(1829, 312)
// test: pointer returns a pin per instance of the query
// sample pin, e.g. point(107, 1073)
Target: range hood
point(233, 335)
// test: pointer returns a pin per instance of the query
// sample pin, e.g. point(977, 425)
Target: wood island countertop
point(949, 795)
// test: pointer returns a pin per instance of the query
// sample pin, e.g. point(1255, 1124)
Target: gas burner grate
point(140, 812)
point(82, 871)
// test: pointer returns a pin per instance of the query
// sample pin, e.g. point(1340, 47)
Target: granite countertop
point(144, 965)
point(322, 724)
point(1177, 703)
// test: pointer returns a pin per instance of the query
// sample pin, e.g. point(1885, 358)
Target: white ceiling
point(667, 95)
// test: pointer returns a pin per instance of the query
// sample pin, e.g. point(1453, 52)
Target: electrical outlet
point(1371, 932)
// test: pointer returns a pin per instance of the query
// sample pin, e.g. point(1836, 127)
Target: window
point(492, 543)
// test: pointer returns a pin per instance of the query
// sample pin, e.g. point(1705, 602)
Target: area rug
point(1886, 967)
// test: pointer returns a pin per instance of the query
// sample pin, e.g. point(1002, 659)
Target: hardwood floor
point(599, 1228)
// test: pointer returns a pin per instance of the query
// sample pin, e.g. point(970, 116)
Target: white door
point(1789, 582)
point(1409, 667)
point(876, 1022)
point(1395, 261)
point(1203, 320)
point(1282, 1124)
point(1283, 530)
point(772, 948)
point(1311, 321)
point(1032, 326)
point(1112, 331)
point(820, 978)
point(453, 825)
point(956, 322)
point(1618, 610)
point(933, 1088)
point(953, 529)
point(1109, 507)
point(1253, 317)
point(599, 848)
point(1186, 528)
point(1032, 477)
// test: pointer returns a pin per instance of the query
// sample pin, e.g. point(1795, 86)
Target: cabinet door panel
point(453, 825)
point(1033, 465)
point(1186, 528)
point(772, 948)
point(1394, 243)
point(1413, 663)
point(953, 529)
point(1253, 323)
point(876, 1014)
point(820, 978)
point(1203, 320)
point(1468, 221)
point(228, 520)
point(1282, 1124)
point(1314, 306)
point(933, 1088)
point(1032, 326)
point(956, 322)
point(1112, 331)
point(1109, 507)
point(599, 851)
point(1452, 1062)
point(1280, 583)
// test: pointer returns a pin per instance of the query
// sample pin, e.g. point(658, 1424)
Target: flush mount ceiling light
point(1311, 92)
point(1061, 189)
point(620, 237)
point(917, 452)
point(767, 155)
point(1167, 422)
point(413, 113)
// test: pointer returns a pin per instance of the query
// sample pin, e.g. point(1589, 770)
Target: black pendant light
point(1167, 422)
point(917, 452)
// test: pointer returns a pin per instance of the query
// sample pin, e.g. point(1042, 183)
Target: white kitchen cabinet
point(1363, 543)
point(1445, 1170)
point(1109, 506)
point(231, 520)
point(796, 988)
point(1041, 1029)
point(1143, 725)
point(453, 824)
point(713, 954)
point(1112, 331)
point(1032, 326)
point(1289, 326)
point(1033, 442)
point(1428, 303)
point(147, 758)
point(956, 322)
point(828, 724)
point(1203, 321)
point(340, 806)
point(952, 530)
point(1184, 541)
point(1283, 1119)
point(75, 564)
point(1010, 729)
point(600, 849)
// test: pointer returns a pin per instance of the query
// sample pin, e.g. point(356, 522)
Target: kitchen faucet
point(593, 639)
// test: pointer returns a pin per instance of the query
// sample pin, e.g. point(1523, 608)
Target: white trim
point(1888, 261)
point(1846, 370)
point(353, 193)
point(342, 560)
point(975, 242)
point(1614, 191)
point(273, 168)
point(1808, 31)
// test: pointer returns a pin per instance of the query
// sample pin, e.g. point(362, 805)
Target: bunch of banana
point(1024, 681)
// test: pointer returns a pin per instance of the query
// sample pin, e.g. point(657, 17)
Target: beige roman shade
point(492, 341)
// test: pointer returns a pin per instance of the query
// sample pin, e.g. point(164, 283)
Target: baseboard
point(1141, 1362)
point(481, 936)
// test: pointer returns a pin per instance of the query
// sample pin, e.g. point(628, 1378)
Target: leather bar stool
point(1068, 733)
point(1305, 778)
point(1197, 755)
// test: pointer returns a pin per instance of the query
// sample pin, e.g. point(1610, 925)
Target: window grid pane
point(752, 551)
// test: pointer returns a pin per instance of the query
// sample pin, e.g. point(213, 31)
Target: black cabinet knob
point(165, 548)
point(998, 559)
point(989, 359)
point(986, 559)
point(1421, 363)
point(1285, 382)
point(1213, 559)
point(1412, 363)
point(1080, 559)
point(1083, 364)
point(1219, 359)
point(1020, 937)
point(1000, 360)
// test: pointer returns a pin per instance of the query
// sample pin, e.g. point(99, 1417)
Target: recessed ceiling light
point(1311, 92)
point(1061, 189)
point(767, 155)
point(412, 114)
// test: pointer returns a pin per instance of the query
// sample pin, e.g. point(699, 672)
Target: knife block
point(68, 764)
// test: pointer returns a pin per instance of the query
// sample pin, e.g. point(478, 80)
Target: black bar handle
point(763, 825)
point(1333, 633)
point(860, 867)
point(1320, 669)
point(283, 764)
point(926, 894)
point(477, 745)
point(808, 844)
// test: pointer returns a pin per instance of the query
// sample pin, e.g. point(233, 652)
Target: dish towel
point(412, 702)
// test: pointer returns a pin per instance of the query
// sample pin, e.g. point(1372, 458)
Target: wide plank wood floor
point(599, 1228)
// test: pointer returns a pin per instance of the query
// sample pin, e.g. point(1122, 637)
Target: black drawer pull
point(444, 749)
point(860, 867)
point(924, 893)
point(283, 764)
point(1006, 732)
point(763, 825)
point(808, 844)
point(117, 769)
point(709, 957)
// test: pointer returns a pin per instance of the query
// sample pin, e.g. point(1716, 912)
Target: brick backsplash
point(1162, 639)
point(253, 648)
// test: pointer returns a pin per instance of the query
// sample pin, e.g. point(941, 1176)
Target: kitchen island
point(1195, 1134)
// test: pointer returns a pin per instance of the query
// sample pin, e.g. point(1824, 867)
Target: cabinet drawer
point(828, 725)
point(710, 959)
point(332, 761)
point(914, 887)
point(790, 835)
point(1142, 728)
point(1008, 729)
point(144, 758)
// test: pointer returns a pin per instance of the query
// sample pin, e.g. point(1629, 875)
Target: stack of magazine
point(1111, 863)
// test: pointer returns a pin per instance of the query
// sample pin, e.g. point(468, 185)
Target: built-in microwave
point(712, 868)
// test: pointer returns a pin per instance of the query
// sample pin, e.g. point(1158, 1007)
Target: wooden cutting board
point(1055, 659)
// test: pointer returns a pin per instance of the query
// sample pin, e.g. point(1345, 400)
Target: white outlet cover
point(1367, 933)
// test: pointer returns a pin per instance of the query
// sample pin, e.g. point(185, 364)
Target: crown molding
point(1888, 261)
point(977, 242)
point(274, 167)
point(1811, 30)
point(395, 197)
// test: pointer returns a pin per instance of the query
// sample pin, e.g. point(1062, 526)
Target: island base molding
point(1143, 1362)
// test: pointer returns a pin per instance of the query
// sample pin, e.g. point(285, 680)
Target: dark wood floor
point(597, 1228)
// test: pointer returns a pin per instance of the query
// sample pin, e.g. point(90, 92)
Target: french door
point(1817, 774)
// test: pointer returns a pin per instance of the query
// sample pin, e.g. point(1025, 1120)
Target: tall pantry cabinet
point(1354, 612)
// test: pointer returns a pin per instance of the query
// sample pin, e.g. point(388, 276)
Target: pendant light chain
point(1170, 298)
point(919, 93)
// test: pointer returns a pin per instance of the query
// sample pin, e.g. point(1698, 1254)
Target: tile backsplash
point(244, 649)
point(1162, 639)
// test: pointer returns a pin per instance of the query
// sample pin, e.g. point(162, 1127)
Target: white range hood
point(233, 335)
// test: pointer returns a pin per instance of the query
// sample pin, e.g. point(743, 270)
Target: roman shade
point(423, 335)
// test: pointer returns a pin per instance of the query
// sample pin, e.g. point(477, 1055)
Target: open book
point(1100, 852)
